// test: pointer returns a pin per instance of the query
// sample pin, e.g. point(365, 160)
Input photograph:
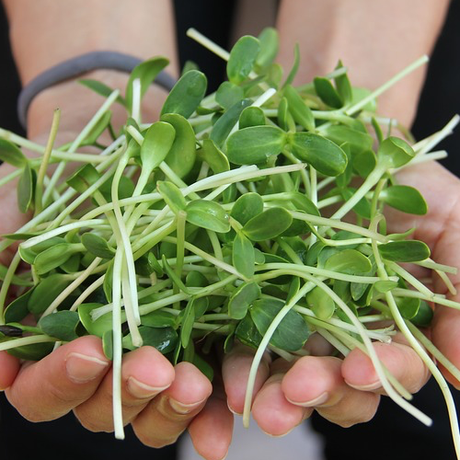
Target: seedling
point(213, 224)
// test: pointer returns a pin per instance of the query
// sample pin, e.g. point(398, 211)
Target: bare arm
point(374, 39)
point(45, 32)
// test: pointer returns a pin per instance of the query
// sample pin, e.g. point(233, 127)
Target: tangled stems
point(208, 226)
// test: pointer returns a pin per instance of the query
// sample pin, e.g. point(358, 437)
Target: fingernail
point(182, 408)
point(82, 368)
point(142, 390)
point(233, 411)
point(321, 399)
point(368, 387)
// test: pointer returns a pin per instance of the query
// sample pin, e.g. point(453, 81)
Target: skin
point(161, 405)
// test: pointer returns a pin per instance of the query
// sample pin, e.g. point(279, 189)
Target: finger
point(50, 388)
point(317, 383)
point(235, 373)
point(145, 374)
point(400, 359)
point(169, 414)
point(274, 414)
point(10, 367)
point(211, 430)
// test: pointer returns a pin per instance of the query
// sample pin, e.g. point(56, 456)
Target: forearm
point(46, 32)
point(374, 39)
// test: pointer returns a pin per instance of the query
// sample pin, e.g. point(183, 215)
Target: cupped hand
point(347, 391)
point(159, 400)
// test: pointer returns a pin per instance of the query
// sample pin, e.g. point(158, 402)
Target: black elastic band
point(77, 66)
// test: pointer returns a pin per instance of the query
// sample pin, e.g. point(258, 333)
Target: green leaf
point(33, 352)
point(243, 256)
point(214, 157)
point(424, 315)
point(242, 299)
point(163, 339)
point(247, 206)
point(29, 254)
point(158, 141)
point(327, 93)
point(96, 327)
point(146, 71)
point(255, 145)
point(208, 214)
point(26, 187)
point(247, 332)
point(320, 303)
point(408, 306)
point(18, 309)
point(393, 152)
point(301, 113)
point(384, 286)
point(295, 66)
point(292, 332)
point(301, 202)
point(358, 94)
point(269, 45)
point(227, 121)
point(242, 59)
point(229, 94)
point(172, 195)
point(405, 251)
point(100, 88)
point(11, 154)
point(72, 264)
point(362, 208)
point(349, 261)
point(357, 140)
point(252, 116)
point(83, 178)
point(203, 366)
point(125, 188)
point(404, 198)
point(97, 245)
point(196, 279)
point(60, 325)
point(46, 292)
point(159, 318)
point(364, 162)
point(98, 128)
point(267, 225)
point(107, 344)
point(181, 157)
point(53, 257)
point(285, 119)
point(187, 94)
point(188, 319)
point(108, 281)
point(321, 153)
point(342, 83)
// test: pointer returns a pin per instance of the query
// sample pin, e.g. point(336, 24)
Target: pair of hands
point(161, 401)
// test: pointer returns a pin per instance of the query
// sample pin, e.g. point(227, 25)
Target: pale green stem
point(375, 94)
point(23, 341)
point(45, 161)
point(78, 140)
point(72, 286)
point(117, 347)
point(263, 346)
point(59, 231)
point(87, 292)
point(7, 283)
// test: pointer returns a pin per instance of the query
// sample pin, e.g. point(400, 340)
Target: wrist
point(78, 104)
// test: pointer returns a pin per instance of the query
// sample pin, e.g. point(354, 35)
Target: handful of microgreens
point(213, 224)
